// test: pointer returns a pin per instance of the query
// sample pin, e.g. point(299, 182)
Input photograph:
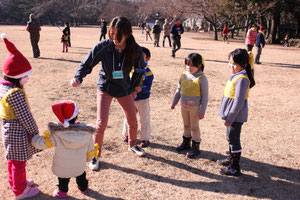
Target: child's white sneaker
point(95, 164)
point(29, 182)
point(137, 150)
point(28, 192)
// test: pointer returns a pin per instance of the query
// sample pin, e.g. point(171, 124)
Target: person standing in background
point(225, 33)
point(67, 32)
point(251, 37)
point(34, 28)
point(166, 28)
point(156, 33)
point(176, 31)
point(148, 30)
point(103, 29)
point(143, 25)
point(260, 44)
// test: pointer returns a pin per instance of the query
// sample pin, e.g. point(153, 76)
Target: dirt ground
point(270, 139)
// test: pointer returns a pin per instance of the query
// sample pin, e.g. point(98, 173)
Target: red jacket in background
point(225, 30)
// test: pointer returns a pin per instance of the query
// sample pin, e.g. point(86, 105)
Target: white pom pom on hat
point(65, 111)
point(66, 124)
point(3, 35)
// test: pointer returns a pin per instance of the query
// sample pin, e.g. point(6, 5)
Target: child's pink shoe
point(28, 192)
point(59, 194)
point(85, 191)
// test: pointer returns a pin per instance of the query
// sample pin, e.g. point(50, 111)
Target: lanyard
point(119, 63)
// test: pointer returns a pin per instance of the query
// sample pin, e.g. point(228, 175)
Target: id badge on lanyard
point(119, 73)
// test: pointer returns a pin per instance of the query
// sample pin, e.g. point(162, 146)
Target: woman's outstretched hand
point(75, 82)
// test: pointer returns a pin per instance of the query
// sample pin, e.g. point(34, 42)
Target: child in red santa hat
point(18, 125)
point(74, 147)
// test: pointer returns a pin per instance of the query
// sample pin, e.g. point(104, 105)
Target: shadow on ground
point(96, 195)
point(60, 59)
point(286, 185)
point(88, 48)
point(91, 193)
point(193, 49)
point(284, 65)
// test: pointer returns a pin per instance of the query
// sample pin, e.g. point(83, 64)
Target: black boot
point(186, 144)
point(195, 150)
point(234, 168)
point(226, 161)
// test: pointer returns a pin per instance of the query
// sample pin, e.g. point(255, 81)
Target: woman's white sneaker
point(95, 164)
point(137, 150)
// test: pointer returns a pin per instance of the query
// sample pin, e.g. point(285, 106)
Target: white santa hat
point(65, 111)
point(15, 65)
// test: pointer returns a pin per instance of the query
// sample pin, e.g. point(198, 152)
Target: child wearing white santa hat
point(74, 147)
point(18, 125)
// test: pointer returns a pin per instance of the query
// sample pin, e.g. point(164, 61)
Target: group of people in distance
point(125, 76)
point(174, 30)
point(34, 28)
point(255, 37)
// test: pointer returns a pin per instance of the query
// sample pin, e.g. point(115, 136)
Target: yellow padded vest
point(143, 77)
point(229, 90)
point(189, 87)
point(6, 111)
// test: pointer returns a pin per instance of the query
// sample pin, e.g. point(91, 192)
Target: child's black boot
point(195, 150)
point(186, 144)
point(226, 161)
point(234, 168)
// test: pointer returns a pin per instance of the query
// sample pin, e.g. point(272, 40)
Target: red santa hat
point(15, 65)
point(65, 111)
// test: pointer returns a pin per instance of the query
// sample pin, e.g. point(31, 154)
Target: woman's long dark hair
point(241, 57)
point(123, 27)
point(16, 82)
point(195, 59)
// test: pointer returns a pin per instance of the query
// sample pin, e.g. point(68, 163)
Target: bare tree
point(69, 10)
point(212, 10)
point(121, 8)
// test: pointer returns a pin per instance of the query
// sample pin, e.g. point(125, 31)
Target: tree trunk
point(269, 26)
point(216, 31)
point(247, 24)
point(213, 22)
point(274, 39)
point(75, 22)
point(297, 34)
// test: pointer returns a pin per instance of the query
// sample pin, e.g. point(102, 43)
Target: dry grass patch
point(270, 139)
